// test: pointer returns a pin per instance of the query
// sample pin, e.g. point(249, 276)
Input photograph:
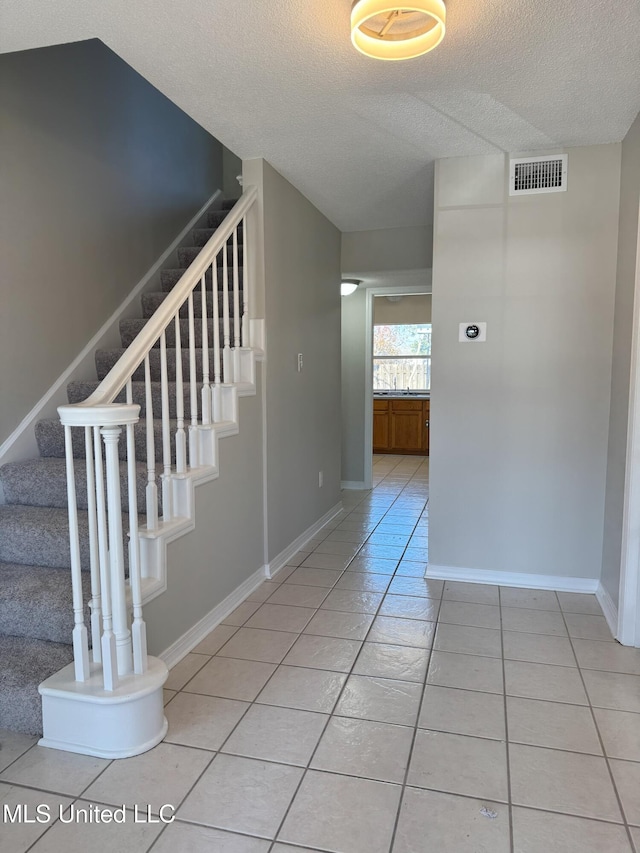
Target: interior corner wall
point(519, 423)
point(354, 396)
point(99, 173)
point(626, 294)
point(226, 546)
point(302, 315)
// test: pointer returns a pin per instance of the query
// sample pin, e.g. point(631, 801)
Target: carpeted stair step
point(24, 664)
point(152, 301)
point(39, 536)
point(188, 254)
point(79, 391)
point(50, 438)
point(130, 329)
point(202, 235)
point(37, 602)
point(170, 277)
point(216, 217)
point(228, 203)
point(107, 358)
point(43, 482)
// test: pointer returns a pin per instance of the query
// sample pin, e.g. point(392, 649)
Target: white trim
point(273, 566)
point(409, 289)
point(190, 639)
point(608, 608)
point(21, 444)
point(356, 485)
point(628, 630)
point(555, 582)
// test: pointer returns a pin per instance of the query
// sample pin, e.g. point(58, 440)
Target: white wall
point(626, 284)
point(354, 395)
point(519, 424)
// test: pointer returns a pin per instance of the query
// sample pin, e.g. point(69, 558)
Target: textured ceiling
point(279, 79)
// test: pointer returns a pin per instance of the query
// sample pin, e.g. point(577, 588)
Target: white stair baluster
point(226, 352)
point(95, 604)
point(181, 438)
point(138, 627)
point(80, 636)
point(152, 486)
point(206, 388)
point(108, 644)
point(217, 391)
point(245, 284)
point(194, 458)
point(236, 309)
point(124, 658)
point(166, 431)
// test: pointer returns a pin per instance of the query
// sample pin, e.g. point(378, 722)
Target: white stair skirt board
point(273, 566)
point(518, 579)
point(608, 608)
point(84, 717)
point(188, 641)
point(21, 444)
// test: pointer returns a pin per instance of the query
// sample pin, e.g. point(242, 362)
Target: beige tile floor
point(352, 706)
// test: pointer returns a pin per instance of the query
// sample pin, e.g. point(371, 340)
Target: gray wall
point(519, 424)
point(354, 392)
point(302, 296)
point(99, 173)
point(620, 374)
point(208, 564)
point(386, 250)
point(409, 309)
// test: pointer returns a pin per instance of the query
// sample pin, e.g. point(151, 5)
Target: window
point(402, 357)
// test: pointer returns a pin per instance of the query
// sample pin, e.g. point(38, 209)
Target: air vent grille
point(538, 175)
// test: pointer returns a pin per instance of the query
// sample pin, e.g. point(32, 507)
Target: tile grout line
point(602, 745)
point(506, 729)
point(330, 717)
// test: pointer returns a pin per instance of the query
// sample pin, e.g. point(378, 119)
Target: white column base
point(81, 716)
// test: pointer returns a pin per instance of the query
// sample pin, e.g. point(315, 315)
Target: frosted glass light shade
point(386, 31)
point(348, 286)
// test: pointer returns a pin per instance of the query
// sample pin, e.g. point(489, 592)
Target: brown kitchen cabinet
point(401, 425)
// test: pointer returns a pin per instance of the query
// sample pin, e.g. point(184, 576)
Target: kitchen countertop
point(398, 395)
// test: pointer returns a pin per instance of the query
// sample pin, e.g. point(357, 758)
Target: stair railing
point(118, 634)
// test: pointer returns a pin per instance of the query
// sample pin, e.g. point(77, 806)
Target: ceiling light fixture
point(348, 286)
point(385, 31)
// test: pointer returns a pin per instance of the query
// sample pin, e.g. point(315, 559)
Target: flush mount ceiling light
point(348, 286)
point(386, 31)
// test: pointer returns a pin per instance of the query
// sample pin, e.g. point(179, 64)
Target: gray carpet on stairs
point(36, 616)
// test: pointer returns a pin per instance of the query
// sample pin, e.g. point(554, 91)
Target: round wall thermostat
point(472, 331)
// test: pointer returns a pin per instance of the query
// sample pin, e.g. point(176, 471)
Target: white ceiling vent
point(538, 174)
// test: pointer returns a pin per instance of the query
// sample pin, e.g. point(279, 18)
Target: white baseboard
point(188, 641)
point(356, 485)
point(608, 608)
point(274, 566)
point(21, 444)
point(554, 582)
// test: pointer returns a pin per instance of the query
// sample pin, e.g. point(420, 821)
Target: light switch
point(300, 362)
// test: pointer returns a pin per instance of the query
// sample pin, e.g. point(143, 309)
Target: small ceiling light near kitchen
point(386, 31)
point(348, 286)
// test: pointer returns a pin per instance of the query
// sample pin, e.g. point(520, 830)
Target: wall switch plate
point(300, 362)
point(472, 332)
point(320, 479)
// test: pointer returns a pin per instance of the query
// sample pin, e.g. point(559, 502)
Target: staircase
point(36, 562)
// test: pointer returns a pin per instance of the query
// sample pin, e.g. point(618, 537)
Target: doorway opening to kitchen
point(398, 373)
